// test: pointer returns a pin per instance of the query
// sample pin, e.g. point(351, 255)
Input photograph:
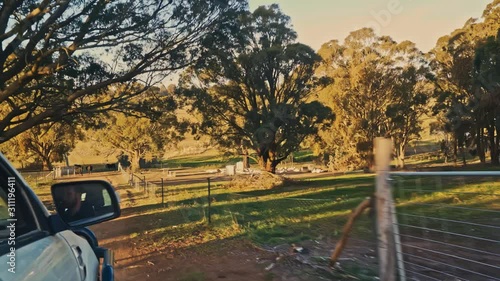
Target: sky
point(420, 21)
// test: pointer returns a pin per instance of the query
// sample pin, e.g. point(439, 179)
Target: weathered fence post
point(383, 196)
point(209, 215)
point(162, 194)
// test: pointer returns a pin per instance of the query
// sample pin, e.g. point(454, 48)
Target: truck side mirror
point(84, 203)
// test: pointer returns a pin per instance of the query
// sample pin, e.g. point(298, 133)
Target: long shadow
point(360, 191)
point(260, 209)
point(191, 236)
point(142, 208)
point(170, 187)
point(332, 190)
point(203, 161)
point(182, 181)
point(317, 183)
point(144, 223)
point(169, 221)
point(267, 210)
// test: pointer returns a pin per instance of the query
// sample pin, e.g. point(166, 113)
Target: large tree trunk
point(271, 166)
point(455, 149)
point(66, 159)
point(496, 154)
point(401, 156)
point(267, 160)
point(464, 161)
point(135, 161)
point(47, 165)
point(268, 164)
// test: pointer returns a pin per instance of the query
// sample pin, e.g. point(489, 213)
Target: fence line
point(149, 188)
point(448, 265)
point(456, 207)
point(445, 227)
point(436, 224)
point(449, 244)
point(36, 178)
point(452, 221)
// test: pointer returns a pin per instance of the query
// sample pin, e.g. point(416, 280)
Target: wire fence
point(284, 223)
point(38, 178)
point(152, 189)
point(448, 225)
point(441, 225)
point(300, 229)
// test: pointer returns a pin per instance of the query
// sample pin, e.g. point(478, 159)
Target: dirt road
point(139, 256)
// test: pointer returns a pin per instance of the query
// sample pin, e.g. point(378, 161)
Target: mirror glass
point(85, 203)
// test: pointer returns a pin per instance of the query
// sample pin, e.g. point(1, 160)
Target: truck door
point(28, 251)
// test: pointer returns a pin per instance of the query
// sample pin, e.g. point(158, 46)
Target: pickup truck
point(36, 245)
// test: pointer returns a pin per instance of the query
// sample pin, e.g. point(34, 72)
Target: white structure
point(230, 170)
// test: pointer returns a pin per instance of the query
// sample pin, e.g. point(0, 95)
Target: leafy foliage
point(255, 93)
point(141, 137)
point(466, 67)
point(379, 90)
point(45, 144)
point(62, 59)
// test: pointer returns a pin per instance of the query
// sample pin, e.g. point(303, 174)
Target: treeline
point(91, 70)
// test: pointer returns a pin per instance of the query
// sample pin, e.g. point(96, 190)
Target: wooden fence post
point(383, 200)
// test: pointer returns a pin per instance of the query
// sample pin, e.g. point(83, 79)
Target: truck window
point(13, 212)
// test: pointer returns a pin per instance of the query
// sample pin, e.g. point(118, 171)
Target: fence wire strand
point(450, 245)
point(433, 270)
point(448, 220)
point(421, 274)
point(456, 207)
point(448, 223)
point(449, 265)
point(448, 232)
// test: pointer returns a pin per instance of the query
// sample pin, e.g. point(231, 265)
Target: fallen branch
point(347, 228)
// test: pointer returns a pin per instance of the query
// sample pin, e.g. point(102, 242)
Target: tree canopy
point(378, 91)
point(60, 58)
point(139, 137)
point(255, 94)
point(465, 64)
point(43, 144)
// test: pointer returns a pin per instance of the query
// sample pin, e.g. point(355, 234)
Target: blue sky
point(421, 21)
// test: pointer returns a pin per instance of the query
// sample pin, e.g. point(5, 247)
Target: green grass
point(305, 210)
point(316, 207)
point(444, 203)
point(319, 207)
point(311, 209)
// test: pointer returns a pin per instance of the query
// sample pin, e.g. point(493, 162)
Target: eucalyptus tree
point(141, 137)
point(379, 89)
point(256, 93)
point(45, 144)
point(462, 62)
point(487, 78)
